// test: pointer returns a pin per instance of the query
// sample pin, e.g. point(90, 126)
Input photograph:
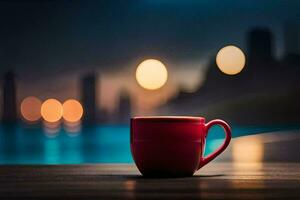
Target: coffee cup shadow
point(141, 177)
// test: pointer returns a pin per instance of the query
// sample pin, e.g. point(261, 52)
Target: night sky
point(51, 44)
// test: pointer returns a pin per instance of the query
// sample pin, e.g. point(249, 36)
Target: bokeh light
point(230, 60)
point(151, 74)
point(30, 109)
point(51, 110)
point(248, 153)
point(72, 110)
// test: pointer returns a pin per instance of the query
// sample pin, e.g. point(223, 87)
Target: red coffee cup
point(172, 146)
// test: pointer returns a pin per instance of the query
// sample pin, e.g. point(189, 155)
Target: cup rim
point(169, 119)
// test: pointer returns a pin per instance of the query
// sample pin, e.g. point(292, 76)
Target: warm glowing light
point(230, 60)
point(247, 153)
point(130, 187)
point(72, 110)
point(30, 109)
point(151, 74)
point(51, 110)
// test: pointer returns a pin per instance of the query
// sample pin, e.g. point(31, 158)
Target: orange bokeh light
point(230, 60)
point(30, 109)
point(51, 110)
point(72, 110)
point(151, 74)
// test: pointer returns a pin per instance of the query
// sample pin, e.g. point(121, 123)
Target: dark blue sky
point(43, 35)
point(49, 43)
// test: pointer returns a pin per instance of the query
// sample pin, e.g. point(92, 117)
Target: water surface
point(20, 144)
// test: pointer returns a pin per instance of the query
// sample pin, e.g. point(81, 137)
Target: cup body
point(167, 146)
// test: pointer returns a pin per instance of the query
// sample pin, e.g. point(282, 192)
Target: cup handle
point(226, 127)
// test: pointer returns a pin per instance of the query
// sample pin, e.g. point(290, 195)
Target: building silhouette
point(88, 97)
point(260, 46)
point(9, 101)
point(266, 90)
point(291, 39)
point(124, 111)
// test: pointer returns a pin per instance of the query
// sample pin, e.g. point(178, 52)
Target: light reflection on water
point(94, 144)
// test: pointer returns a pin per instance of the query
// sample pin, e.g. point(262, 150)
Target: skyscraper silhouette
point(88, 97)
point(291, 39)
point(260, 46)
point(9, 109)
point(124, 112)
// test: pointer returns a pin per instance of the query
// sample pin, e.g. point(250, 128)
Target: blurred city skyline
point(55, 43)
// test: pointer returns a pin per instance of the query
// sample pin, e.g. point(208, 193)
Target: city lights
point(72, 110)
point(151, 74)
point(51, 110)
point(30, 109)
point(230, 60)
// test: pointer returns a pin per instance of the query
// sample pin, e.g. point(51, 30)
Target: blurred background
point(74, 72)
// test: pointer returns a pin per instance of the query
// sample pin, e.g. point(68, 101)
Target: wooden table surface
point(217, 180)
